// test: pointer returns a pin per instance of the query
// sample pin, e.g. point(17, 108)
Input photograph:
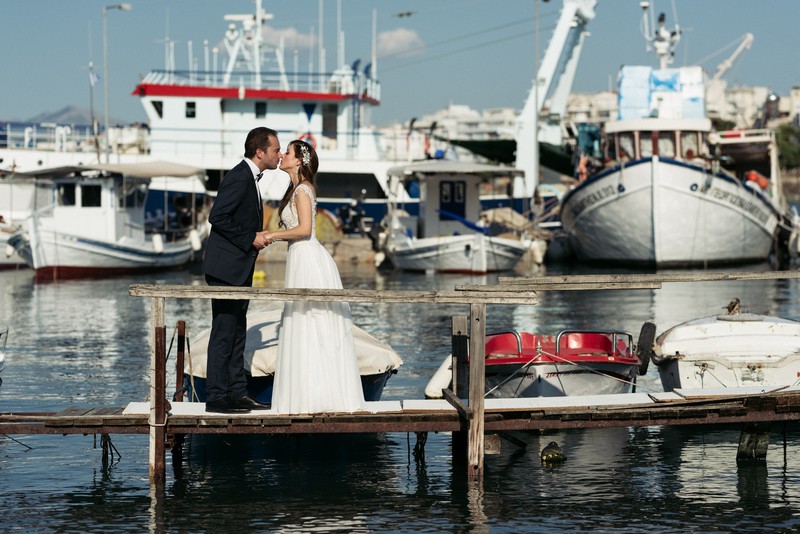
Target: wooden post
point(460, 353)
point(477, 387)
point(158, 413)
point(179, 361)
point(753, 442)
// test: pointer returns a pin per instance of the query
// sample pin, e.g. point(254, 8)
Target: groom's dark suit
point(229, 260)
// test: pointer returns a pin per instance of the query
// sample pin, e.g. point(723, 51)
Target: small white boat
point(574, 362)
point(728, 351)
point(94, 223)
point(377, 362)
point(444, 237)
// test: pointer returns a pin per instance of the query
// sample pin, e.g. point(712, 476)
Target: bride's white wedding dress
point(316, 369)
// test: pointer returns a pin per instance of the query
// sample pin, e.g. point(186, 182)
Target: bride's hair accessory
point(306, 154)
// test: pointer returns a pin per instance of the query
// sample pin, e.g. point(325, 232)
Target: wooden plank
point(659, 277)
point(568, 286)
point(462, 410)
point(73, 411)
point(333, 295)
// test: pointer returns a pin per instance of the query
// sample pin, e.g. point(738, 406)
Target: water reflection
point(88, 343)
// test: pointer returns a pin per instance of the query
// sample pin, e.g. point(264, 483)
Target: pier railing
point(468, 334)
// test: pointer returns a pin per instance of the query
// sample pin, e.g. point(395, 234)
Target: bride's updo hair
point(309, 163)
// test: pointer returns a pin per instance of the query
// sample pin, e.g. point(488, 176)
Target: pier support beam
point(460, 354)
point(753, 443)
point(158, 376)
point(477, 378)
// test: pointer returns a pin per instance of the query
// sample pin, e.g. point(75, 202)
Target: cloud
point(292, 38)
point(399, 43)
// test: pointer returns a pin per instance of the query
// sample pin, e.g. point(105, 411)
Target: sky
point(431, 53)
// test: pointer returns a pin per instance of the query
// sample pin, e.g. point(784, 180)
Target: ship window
point(66, 194)
point(261, 110)
point(91, 196)
point(646, 144)
point(329, 115)
point(191, 110)
point(626, 147)
point(666, 144)
point(158, 105)
point(689, 145)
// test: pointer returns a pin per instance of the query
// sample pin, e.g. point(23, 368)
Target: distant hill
point(72, 115)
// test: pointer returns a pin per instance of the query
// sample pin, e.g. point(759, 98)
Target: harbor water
point(87, 343)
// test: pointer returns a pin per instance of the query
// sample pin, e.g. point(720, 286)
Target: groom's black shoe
point(225, 406)
point(249, 403)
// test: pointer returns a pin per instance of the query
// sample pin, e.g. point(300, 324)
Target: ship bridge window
point(646, 144)
point(626, 146)
point(666, 144)
point(348, 185)
point(191, 110)
point(158, 106)
point(689, 145)
point(261, 110)
point(131, 195)
point(91, 196)
point(65, 194)
point(330, 113)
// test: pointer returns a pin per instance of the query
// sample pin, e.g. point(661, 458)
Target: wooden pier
point(464, 412)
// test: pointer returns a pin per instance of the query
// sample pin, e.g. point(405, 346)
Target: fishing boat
point(93, 223)
point(201, 117)
point(663, 195)
point(729, 350)
point(377, 361)
point(448, 234)
point(573, 362)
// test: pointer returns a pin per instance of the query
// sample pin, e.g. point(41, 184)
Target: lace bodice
point(289, 214)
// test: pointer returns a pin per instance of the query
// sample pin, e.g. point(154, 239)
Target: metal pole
point(121, 7)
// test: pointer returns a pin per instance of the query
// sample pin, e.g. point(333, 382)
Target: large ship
point(201, 117)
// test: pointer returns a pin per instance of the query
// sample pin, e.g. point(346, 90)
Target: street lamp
point(121, 7)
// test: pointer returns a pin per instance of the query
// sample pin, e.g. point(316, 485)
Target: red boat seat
point(500, 345)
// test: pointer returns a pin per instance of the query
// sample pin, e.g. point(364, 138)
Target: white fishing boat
point(94, 223)
point(664, 197)
point(377, 362)
point(448, 235)
point(201, 116)
point(730, 350)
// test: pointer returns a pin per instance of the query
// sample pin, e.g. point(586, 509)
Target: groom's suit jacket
point(235, 218)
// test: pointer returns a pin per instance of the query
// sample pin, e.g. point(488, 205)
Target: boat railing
point(339, 83)
point(615, 335)
point(47, 136)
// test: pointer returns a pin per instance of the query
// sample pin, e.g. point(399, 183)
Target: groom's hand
point(261, 240)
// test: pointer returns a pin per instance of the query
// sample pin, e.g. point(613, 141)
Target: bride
point(317, 369)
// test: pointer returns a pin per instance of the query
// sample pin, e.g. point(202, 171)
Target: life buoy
point(310, 139)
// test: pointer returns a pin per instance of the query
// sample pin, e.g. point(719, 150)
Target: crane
point(553, 83)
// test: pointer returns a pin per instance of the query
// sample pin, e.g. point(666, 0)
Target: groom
point(233, 244)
